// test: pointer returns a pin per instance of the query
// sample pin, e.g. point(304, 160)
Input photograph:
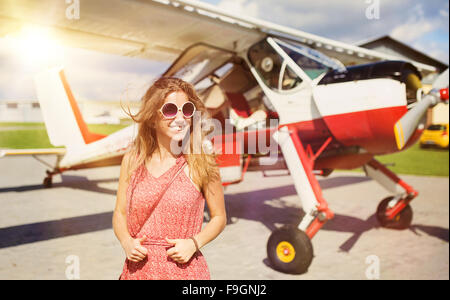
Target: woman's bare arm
point(216, 204)
point(132, 247)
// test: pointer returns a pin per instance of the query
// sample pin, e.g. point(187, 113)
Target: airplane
point(336, 105)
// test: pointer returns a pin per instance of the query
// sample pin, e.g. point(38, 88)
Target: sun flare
point(35, 46)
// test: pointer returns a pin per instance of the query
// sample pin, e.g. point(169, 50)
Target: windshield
point(312, 62)
point(271, 68)
point(436, 127)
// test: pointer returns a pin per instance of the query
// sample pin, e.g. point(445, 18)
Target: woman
point(158, 222)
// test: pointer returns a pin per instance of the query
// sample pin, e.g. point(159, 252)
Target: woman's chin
point(177, 137)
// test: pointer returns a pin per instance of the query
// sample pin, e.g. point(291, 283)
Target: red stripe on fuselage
point(372, 130)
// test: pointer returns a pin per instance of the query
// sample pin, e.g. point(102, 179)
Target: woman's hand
point(134, 250)
point(182, 250)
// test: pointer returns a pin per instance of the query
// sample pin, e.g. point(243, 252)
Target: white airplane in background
point(333, 113)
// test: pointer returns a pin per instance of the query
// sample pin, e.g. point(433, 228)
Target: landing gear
point(289, 250)
point(393, 212)
point(47, 182)
point(401, 221)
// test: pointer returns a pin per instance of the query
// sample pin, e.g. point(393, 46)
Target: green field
point(416, 161)
point(20, 137)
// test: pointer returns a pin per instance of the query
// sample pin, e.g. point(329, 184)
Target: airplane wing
point(162, 29)
point(157, 30)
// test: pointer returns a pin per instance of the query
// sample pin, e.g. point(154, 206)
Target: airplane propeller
point(406, 126)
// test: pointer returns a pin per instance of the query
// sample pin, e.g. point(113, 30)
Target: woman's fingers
point(141, 250)
point(142, 239)
point(135, 258)
point(170, 241)
point(172, 251)
point(137, 254)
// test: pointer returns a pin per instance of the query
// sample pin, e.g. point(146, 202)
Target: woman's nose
point(179, 117)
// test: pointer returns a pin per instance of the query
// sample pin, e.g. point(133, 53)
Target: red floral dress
point(178, 215)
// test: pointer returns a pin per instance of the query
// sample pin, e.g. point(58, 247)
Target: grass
point(38, 138)
point(415, 161)
point(13, 124)
point(25, 139)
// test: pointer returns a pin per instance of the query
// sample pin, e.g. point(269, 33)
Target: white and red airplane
point(332, 113)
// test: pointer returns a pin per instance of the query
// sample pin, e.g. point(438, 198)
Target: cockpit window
point(312, 62)
point(290, 79)
point(269, 64)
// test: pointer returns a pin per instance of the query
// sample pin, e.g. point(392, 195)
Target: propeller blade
point(442, 81)
point(406, 126)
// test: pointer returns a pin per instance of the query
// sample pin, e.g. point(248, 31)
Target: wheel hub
point(285, 252)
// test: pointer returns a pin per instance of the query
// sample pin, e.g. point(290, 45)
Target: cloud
point(415, 27)
point(344, 20)
point(410, 21)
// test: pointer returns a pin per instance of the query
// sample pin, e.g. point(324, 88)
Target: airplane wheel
point(401, 221)
point(47, 182)
point(290, 250)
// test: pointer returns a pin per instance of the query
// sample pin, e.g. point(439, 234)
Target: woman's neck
point(164, 149)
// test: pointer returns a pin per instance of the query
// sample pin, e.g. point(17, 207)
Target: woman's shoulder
point(126, 159)
point(129, 161)
point(187, 172)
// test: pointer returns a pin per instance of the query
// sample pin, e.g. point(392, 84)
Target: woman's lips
point(177, 129)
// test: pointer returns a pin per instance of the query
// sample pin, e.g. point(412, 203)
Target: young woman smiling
point(161, 195)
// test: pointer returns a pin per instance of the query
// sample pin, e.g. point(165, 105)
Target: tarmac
point(49, 233)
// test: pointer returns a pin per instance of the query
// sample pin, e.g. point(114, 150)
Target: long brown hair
point(202, 165)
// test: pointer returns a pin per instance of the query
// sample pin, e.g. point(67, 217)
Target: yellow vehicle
point(435, 135)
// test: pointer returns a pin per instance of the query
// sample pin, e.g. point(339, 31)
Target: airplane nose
point(406, 126)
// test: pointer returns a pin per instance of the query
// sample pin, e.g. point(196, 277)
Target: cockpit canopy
point(269, 57)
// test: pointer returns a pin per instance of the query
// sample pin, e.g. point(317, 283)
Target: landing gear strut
point(289, 248)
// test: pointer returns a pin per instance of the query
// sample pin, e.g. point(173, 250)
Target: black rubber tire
point(47, 182)
point(402, 221)
point(302, 245)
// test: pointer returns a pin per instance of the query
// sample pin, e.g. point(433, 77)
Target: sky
point(422, 25)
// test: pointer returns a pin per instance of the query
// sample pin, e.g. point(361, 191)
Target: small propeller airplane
point(337, 105)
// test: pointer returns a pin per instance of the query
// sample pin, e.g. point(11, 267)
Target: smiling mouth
point(177, 129)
